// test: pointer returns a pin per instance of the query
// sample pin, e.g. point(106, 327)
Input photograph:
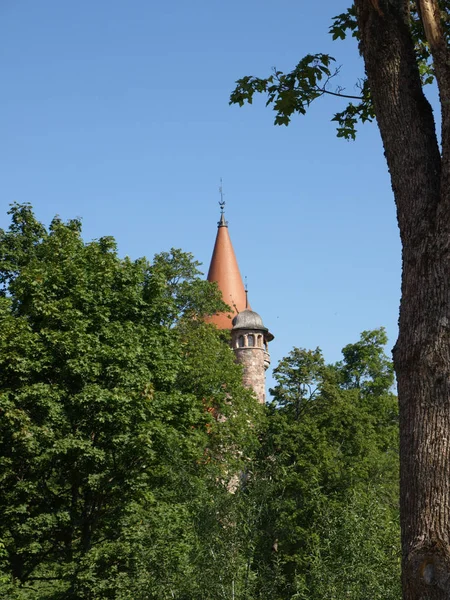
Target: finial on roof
point(246, 292)
point(222, 222)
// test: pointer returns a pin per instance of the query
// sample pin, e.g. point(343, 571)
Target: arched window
point(260, 341)
point(251, 339)
point(241, 341)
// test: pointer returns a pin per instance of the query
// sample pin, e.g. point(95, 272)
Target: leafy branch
point(294, 92)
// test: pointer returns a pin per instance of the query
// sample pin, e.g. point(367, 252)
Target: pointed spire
point(225, 271)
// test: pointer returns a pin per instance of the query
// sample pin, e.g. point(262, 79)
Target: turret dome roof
point(248, 319)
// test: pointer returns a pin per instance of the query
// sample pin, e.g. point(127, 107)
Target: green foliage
point(298, 376)
point(344, 23)
point(293, 92)
point(106, 369)
point(326, 479)
point(135, 466)
point(362, 111)
point(365, 366)
point(358, 557)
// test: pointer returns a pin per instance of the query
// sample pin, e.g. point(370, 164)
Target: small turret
point(249, 340)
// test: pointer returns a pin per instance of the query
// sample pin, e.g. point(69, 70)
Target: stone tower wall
point(250, 349)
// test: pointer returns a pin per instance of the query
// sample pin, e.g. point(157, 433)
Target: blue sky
point(117, 112)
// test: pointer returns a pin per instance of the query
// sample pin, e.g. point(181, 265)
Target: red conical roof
point(225, 271)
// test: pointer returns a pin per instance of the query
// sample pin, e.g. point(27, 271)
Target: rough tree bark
point(420, 180)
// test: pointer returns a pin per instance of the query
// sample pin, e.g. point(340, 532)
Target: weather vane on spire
point(222, 222)
point(222, 201)
point(246, 292)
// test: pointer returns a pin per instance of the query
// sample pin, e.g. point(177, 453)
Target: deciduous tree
point(404, 45)
point(106, 443)
point(322, 502)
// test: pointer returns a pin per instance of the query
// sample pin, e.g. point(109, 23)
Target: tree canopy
point(329, 466)
point(109, 382)
point(135, 465)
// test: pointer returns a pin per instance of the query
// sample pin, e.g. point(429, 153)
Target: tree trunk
point(422, 352)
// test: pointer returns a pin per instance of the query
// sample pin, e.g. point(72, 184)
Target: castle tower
point(249, 337)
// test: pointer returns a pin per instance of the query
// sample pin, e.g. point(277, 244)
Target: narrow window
point(251, 339)
point(241, 341)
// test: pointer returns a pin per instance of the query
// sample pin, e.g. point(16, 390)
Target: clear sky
point(117, 111)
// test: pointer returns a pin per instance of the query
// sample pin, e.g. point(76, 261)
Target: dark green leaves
point(294, 91)
point(106, 375)
point(343, 23)
point(288, 92)
point(327, 481)
point(362, 111)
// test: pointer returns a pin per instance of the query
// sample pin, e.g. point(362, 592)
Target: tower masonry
point(249, 336)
